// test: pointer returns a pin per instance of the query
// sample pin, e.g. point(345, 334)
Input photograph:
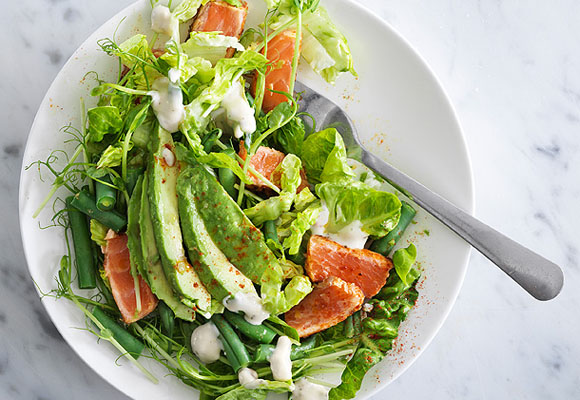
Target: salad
point(212, 226)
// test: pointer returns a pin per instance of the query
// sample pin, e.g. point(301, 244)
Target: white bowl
point(402, 114)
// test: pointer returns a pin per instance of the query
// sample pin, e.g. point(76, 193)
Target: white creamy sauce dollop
point(350, 236)
point(280, 362)
point(306, 390)
point(250, 304)
point(162, 20)
point(167, 101)
point(205, 343)
point(248, 378)
point(239, 114)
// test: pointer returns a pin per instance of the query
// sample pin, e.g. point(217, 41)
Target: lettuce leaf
point(271, 209)
point(403, 260)
point(390, 307)
point(290, 137)
point(222, 160)
point(303, 222)
point(322, 148)
point(211, 46)
point(325, 47)
point(227, 70)
point(104, 120)
point(111, 157)
point(378, 212)
point(187, 9)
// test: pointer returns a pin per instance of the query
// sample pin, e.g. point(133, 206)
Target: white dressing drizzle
point(205, 343)
point(240, 116)
point(306, 390)
point(280, 362)
point(162, 20)
point(167, 101)
point(250, 304)
point(248, 378)
point(350, 236)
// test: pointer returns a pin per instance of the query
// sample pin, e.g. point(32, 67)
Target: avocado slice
point(163, 172)
point(158, 282)
point(219, 276)
point(229, 228)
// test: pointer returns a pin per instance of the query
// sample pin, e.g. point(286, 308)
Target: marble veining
point(511, 70)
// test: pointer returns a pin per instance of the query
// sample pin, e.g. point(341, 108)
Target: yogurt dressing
point(280, 362)
point(205, 343)
point(306, 390)
point(162, 21)
point(167, 101)
point(350, 236)
point(248, 378)
point(239, 114)
point(250, 304)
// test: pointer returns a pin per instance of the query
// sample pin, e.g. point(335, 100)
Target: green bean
point(227, 177)
point(233, 341)
point(131, 344)
point(264, 351)
point(259, 333)
point(106, 195)
point(84, 255)
point(386, 244)
point(230, 355)
point(133, 175)
point(210, 139)
point(84, 202)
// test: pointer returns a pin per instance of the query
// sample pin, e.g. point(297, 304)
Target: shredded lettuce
point(271, 209)
point(210, 45)
point(111, 157)
point(227, 71)
point(325, 47)
point(222, 160)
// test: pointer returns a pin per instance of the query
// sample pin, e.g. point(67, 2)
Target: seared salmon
point(265, 161)
point(219, 16)
point(280, 54)
point(118, 270)
point(366, 269)
point(330, 303)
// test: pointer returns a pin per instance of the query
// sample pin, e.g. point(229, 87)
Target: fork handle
point(538, 276)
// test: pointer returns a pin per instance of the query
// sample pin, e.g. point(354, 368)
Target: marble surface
point(512, 70)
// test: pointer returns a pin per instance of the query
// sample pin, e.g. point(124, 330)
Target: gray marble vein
point(512, 70)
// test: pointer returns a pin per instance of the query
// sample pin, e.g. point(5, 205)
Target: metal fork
point(538, 276)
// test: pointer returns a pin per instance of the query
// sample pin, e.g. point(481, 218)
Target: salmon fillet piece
point(366, 269)
point(265, 161)
point(330, 303)
point(280, 53)
point(219, 16)
point(118, 271)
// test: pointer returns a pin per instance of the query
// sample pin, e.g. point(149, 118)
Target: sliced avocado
point(158, 282)
point(219, 276)
point(229, 228)
point(163, 172)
